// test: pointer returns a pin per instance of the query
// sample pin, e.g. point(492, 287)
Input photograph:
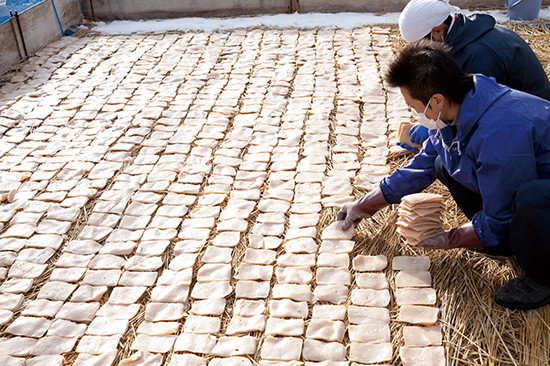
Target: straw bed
point(476, 330)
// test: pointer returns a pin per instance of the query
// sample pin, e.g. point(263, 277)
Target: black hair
point(425, 68)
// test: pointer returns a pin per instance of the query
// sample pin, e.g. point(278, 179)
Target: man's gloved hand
point(462, 237)
point(418, 134)
point(439, 241)
point(405, 146)
point(353, 213)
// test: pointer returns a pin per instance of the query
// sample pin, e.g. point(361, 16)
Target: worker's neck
point(450, 112)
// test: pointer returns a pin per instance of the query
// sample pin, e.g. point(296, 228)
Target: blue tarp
point(14, 5)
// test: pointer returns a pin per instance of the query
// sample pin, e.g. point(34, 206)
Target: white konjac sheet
point(418, 314)
point(410, 263)
point(363, 263)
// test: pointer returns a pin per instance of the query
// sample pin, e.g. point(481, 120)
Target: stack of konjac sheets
point(420, 217)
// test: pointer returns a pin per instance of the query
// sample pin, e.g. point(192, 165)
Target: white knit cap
point(420, 16)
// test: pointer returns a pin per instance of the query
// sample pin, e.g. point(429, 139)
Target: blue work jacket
point(480, 46)
point(502, 141)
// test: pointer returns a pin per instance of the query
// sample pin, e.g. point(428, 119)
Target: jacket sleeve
point(506, 161)
point(413, 177)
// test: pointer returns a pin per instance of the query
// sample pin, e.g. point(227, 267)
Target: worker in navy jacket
point(478, 44)
point(490, 145)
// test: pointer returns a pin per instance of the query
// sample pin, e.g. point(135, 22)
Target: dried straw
point(476, 331)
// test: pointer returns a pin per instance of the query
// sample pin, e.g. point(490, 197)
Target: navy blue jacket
point(502, 142)
point(481, 46)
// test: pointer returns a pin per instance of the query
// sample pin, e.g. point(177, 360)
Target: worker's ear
point(438, 33)
point(438, 101)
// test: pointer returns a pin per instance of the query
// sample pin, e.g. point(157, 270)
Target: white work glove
point(353, 213)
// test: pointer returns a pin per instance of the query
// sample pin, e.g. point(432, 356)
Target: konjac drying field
point(169, 199)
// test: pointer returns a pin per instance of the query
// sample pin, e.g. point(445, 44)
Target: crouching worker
point(490, 145)
point(479, 45)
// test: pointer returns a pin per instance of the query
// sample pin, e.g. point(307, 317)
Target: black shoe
point(523, 293)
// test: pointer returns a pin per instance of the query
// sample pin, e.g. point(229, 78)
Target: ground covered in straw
point(143, 174)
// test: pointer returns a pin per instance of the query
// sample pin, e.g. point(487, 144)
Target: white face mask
point(433, 39)
point(427, 122)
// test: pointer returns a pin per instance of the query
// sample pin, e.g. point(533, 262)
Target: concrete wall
point(10, 54)
point(39, 26)
point(150, 9)
point(334, 6)
point(373, 6)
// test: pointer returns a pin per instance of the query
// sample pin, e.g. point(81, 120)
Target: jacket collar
point(468, 28)
point(477, 101)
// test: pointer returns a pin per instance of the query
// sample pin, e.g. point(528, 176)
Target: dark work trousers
point(470, 203)
point(529, 231)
